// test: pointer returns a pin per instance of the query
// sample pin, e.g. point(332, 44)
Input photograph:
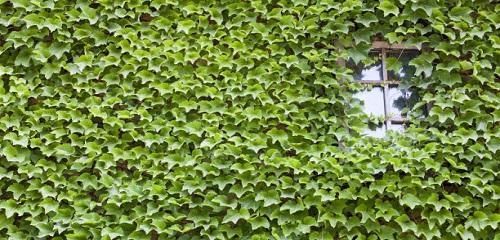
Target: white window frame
point(385, 83)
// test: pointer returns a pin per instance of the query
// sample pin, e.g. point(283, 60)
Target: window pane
point(400, 98)
point(373, 101)
point(398, 127)
point(375, 131)
point(371, 71)
point(405, 71)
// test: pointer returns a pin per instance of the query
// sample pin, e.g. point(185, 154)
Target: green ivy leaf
point(17, 190)
point(185, 26)
point(478, 221)
point(406, 224)
point(292, 206)
point(15, 154)
point(423, 63)
point(64, 150)
point(235, 215)
point(199, 216)
point(34, 20)
point(20, 140)
point(278, 136)
point(23, 58)
point(366, 19)
point(393, 64)
point(426, 5)
point(259, 222)
point(460, 13)
point(388, 7)
point(49, 205)
point(9, 206)
point(89, 14)
point(410, 200)
point(447, 78)
point(359, 52)
point(270, 197)
point(224, 201)
point(289, 60)
point(442, 114)
point(25, 4)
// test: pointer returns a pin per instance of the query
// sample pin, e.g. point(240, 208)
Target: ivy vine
point(166, 119)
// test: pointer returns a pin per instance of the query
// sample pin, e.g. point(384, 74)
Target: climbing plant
point(224, 119)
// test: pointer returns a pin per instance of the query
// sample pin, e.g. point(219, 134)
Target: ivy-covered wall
point(235, 120)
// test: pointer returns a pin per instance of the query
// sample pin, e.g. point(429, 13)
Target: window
point(385, 95)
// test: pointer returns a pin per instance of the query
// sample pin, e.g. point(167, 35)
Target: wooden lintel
point(386, 45)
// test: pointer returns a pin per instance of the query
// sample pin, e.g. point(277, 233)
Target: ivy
point(237, 120)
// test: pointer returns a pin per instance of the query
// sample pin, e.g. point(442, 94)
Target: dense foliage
point(234, 119)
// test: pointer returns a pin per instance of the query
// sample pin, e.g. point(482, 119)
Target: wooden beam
point(386, 45)
point(378, 82)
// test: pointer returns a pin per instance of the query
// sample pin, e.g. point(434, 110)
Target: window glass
point(367, 72)
point(400, 98)
point(373, 101)
point(398, 127)
point(375, 131)
point(392, 99)
point(405, 70)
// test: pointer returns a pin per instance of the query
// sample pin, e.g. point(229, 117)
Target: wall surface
point(236, 120)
